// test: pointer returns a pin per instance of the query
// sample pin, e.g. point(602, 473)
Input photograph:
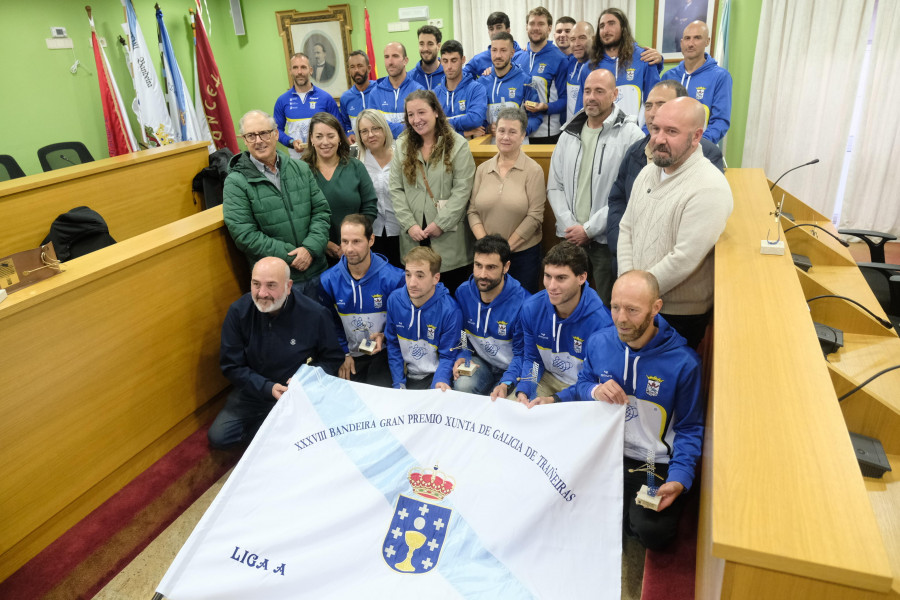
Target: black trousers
point(654, 530)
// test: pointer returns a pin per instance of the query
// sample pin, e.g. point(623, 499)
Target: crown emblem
point(431, 483)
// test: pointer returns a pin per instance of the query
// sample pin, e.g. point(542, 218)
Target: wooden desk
point(784, 511)
point(134, 193)
point(106, 367)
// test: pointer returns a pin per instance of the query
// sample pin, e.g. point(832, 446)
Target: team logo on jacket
point(541, 67)
point(653, 384)
point(419, 526)
point(700, 91)
point(431, 330)
point(512, 92)
point(312, 103)
point(377, 300)
point(576, 343)
point(501, 327)
point(462, 106)
point(629, 74)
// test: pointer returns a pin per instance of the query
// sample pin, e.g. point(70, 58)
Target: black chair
point(63, 154)
point(884, 279)
point(9, 168)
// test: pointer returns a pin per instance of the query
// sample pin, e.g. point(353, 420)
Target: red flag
point(119, 137)
point(211, 91)
point(370, 49)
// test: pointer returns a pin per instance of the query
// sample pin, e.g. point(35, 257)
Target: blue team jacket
point(481, 61)
point(354, 102)
point(292, 114)
point(547, 68)
point(634, 82)
point(390, 101)
point(429, 81)
point(509, 90)
point(465, 106)
point(711, 85)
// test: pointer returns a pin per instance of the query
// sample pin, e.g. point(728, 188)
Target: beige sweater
point(670, 229)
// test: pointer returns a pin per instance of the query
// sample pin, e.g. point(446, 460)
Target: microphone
point(63, 156)
point(884, 322)
point(842, 242)
point(812, 162)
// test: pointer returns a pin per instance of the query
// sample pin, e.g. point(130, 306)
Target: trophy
point(367, 346)
point(533, 378)
point(646, 496)
point(466, 368)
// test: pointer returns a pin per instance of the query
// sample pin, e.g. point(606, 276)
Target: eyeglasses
point(251, 137)
point(366, 132)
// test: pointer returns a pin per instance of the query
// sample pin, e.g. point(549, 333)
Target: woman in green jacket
point(431, 181)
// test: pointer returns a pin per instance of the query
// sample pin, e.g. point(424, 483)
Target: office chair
point(9, 168)
point(884, 279)
point(63, 154)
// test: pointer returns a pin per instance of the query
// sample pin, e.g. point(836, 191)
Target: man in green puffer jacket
point(273, 207)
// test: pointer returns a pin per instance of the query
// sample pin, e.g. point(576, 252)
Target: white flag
point(354, 491)
point(149, 104)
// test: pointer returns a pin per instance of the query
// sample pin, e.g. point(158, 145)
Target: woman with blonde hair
point(376, 149)
point(431, 181)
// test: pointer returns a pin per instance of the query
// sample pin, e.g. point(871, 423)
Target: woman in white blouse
point(376, 149)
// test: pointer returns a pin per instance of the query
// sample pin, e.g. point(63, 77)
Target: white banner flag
point(149, 103)
point(354, 491)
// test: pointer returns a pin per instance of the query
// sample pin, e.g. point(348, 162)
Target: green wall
point(43, 103)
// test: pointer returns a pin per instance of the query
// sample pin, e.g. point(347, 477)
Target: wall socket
point(58, 32)
point(439, 23)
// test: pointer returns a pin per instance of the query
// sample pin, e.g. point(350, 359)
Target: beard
point(274, 306)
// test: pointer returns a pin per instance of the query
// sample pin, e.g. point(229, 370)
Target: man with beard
point(678, 209)
point(490, 302)
point(646, 364)
point(295, 107)
point(636, 69)
point(583, 167)
point(268, 334)
point(546, 65)
point(463, 99)
point(356, 291)
point(356, 99)
point(428, 72)
point(480, 64)
point(390, 92)
point(579, 66)
point(506, 85)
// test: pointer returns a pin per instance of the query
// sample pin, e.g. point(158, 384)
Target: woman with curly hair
point(431, 181)
point(344, 182)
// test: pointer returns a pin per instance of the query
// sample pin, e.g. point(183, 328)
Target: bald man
point(583, 167)
point(678, 208)
point(705, 80)
point(579, 65)
point(268, 334)
point(390, 92)
point(647, 365)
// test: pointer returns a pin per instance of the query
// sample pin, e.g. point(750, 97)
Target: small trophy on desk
point(467, 368)
point(367, 346)
point(646, 496)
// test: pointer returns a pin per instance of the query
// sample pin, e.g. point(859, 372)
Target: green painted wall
point(43, 103)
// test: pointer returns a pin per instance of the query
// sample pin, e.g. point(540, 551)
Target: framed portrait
point(323, 36)
point(672, 16)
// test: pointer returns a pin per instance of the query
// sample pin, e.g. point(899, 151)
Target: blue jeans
point(239, 420)
point(482, 382)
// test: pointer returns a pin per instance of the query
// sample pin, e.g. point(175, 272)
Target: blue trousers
point(482, 382)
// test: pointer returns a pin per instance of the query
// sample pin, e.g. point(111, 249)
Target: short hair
point(430, 29)
point(493, 244)
point(451, 46)
point(320, 45)
point(376, 117)
point(496, 18)
point(343, 150)
point(426, 255)
point(299, 55)
point(357, 219)
point(680, 90)
point(514, 113)
point(649, 278)
point(267, 116)
point(567, 254)
point(568, 20)
point(503, 36)
point(402, 47)
point(359, 53)
point(540, 11)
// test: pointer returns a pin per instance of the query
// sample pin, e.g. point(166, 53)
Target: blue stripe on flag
point(385, 463)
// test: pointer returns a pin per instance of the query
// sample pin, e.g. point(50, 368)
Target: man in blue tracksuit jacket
point(356, 291)
point(557, 322)
point(428, 72)
point(390, 92)
point(490, 302)
point(464, 101)
point(294, 108)
point(547, 66)
point(705, 80)
point(645, 363)
point(423, 326)
point(579, 67)
point(496, 22)
point(507, 85)
point(357, 98)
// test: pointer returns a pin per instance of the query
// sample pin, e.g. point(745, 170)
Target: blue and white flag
point(149, 104)
point(354, 491)
point(181, 109)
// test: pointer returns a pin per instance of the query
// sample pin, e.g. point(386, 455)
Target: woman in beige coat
point(431, 181)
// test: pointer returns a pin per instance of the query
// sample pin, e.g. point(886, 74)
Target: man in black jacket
point(267, 335)
point(637, 157)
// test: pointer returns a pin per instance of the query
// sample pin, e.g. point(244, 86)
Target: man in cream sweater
point(678, 208)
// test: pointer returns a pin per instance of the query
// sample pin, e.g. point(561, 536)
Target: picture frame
point(670, 17)
point(324, 36)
